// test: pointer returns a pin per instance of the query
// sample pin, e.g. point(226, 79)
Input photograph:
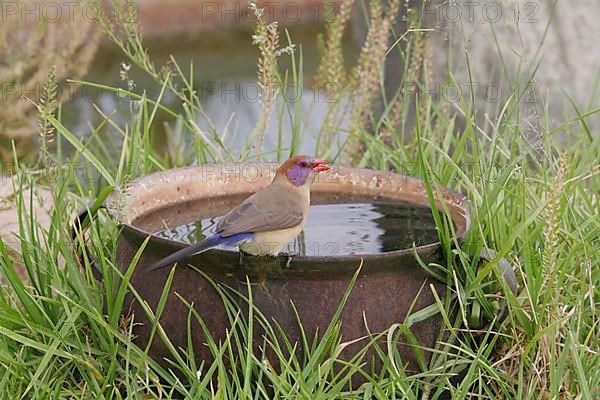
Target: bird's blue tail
point(200, 247)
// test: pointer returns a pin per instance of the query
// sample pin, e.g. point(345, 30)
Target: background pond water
point(224, 74)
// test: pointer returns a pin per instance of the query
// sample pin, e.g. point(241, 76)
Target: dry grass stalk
point(331, 74)
point(419, 54)
point(368, 74)
point(266, 38)
point(267, 70)
point(393, 119)
point(552, 218)
point(331, 69)
point(552, 341)
point(366, 51)
point(47, 109)
point(28, 50)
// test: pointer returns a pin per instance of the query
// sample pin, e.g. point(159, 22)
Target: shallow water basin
point(358, 218)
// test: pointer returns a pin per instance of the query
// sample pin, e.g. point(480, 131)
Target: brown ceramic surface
point(388, 285)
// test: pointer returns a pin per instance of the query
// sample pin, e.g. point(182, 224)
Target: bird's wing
point(270, 209)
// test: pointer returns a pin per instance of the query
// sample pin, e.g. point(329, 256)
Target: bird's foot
point(288, 263)
point(264, 287)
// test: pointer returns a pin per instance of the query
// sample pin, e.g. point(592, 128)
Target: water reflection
point(343, 229)
point(224, 70)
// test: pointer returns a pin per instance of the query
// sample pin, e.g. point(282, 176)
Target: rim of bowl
point(364, 179)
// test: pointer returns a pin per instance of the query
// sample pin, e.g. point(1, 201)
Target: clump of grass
point(62, 334)
point(66, 343)
point(546, 311)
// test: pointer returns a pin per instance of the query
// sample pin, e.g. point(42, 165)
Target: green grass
point(62, 335)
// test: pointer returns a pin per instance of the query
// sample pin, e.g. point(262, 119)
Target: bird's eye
point(303, 164)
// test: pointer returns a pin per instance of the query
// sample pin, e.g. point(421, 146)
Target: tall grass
point(62, 334)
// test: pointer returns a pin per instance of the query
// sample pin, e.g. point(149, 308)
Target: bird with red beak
point(267, 221)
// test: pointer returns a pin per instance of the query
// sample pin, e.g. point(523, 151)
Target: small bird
point(266, 221)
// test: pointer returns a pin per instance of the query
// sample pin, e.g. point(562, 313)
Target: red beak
point(320, 165)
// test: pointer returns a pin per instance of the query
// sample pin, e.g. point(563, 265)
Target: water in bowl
point(342, 229)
